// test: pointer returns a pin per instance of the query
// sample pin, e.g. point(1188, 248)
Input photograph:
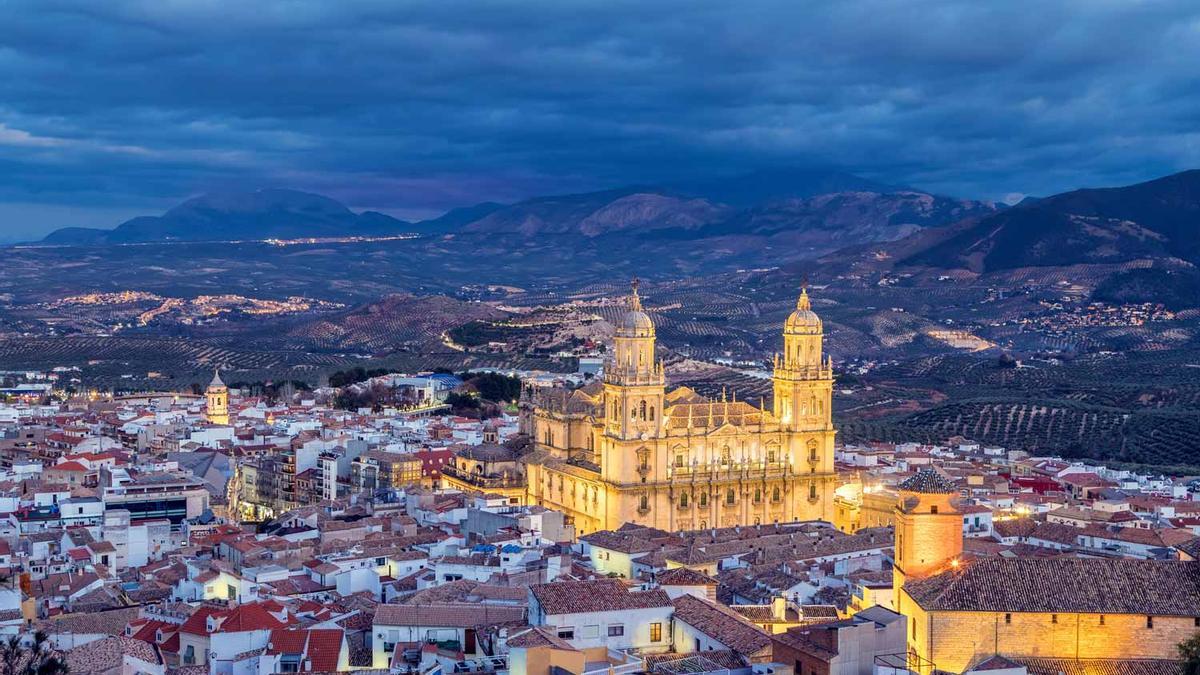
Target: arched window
point(683, 500)
point(644, 503)
point(703, 499)
point(812, 451)
point(812, 490)
point(643, 410)
point(729, 497)
point(775, 494)
point(651, 413)
point(757, 495)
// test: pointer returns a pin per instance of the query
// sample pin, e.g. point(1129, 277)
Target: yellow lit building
point(1084, 612)
point(625, 450)
point(216, 399)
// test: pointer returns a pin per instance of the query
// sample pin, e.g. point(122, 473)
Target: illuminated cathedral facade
point(623, 449)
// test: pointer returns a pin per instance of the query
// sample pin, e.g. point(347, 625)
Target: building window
point(616, 630)
point(757, 495)
point(703, 499)
point(567, 633)
point(933, 509)
point(656, 632)
point(726, 457)
point(775, 495)
point(679, 459)
point(812, 490)
point(1008, 618)
point(770, 456)
point(644, 503)
point(1149, 622)
point(1053, 618)
point(914, 629)
point(729, 497)
point(683, 500)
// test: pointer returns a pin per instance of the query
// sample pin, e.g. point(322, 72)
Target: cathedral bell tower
point(803, 377)
point(634, 383)
point(216, 400)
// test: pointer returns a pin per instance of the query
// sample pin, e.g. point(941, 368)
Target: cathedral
point(623, 449)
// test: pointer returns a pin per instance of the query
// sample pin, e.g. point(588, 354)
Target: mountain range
point(1155, 219)
point(820, 209)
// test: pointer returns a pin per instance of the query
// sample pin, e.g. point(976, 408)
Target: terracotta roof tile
point(723, 625)
point(1101, 586)
point(603, 595)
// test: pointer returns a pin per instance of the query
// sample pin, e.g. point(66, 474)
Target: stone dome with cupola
point(803, 321)
point(635, 322)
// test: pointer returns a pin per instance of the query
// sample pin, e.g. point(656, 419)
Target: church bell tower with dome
point(634, 383)
point(803, 379)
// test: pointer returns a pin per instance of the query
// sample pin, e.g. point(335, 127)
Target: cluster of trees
point(375, 397)
point(494, 386)
point(33, 657)
point(270, 390)
point(344, 378)
point(493, 390)
point(481, 395)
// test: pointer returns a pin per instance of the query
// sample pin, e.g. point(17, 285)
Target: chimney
point(779, 607)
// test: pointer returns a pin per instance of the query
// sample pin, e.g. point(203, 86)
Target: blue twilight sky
point(117, 108)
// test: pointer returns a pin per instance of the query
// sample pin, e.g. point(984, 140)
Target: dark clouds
point(415, 107)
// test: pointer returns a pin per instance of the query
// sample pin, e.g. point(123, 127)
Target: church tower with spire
point(216, 399)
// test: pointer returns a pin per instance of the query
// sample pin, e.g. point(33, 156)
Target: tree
point(36, 659)
point(495, 387)
point(1189, 653)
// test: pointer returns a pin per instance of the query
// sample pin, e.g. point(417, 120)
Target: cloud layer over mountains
point(112, 108)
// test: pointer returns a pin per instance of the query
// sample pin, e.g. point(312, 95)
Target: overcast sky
point(117, 108)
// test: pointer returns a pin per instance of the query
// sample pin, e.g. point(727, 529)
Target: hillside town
point(223, 533)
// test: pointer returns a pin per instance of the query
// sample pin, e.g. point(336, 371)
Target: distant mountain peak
point(256, 214)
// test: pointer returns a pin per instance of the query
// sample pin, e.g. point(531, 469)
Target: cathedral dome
point(635, 322)
point(803, 320)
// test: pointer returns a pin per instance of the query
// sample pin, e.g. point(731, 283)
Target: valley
point(1034, 327)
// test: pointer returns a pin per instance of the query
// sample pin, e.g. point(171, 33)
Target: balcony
point(730, 471)
point(480, 480)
